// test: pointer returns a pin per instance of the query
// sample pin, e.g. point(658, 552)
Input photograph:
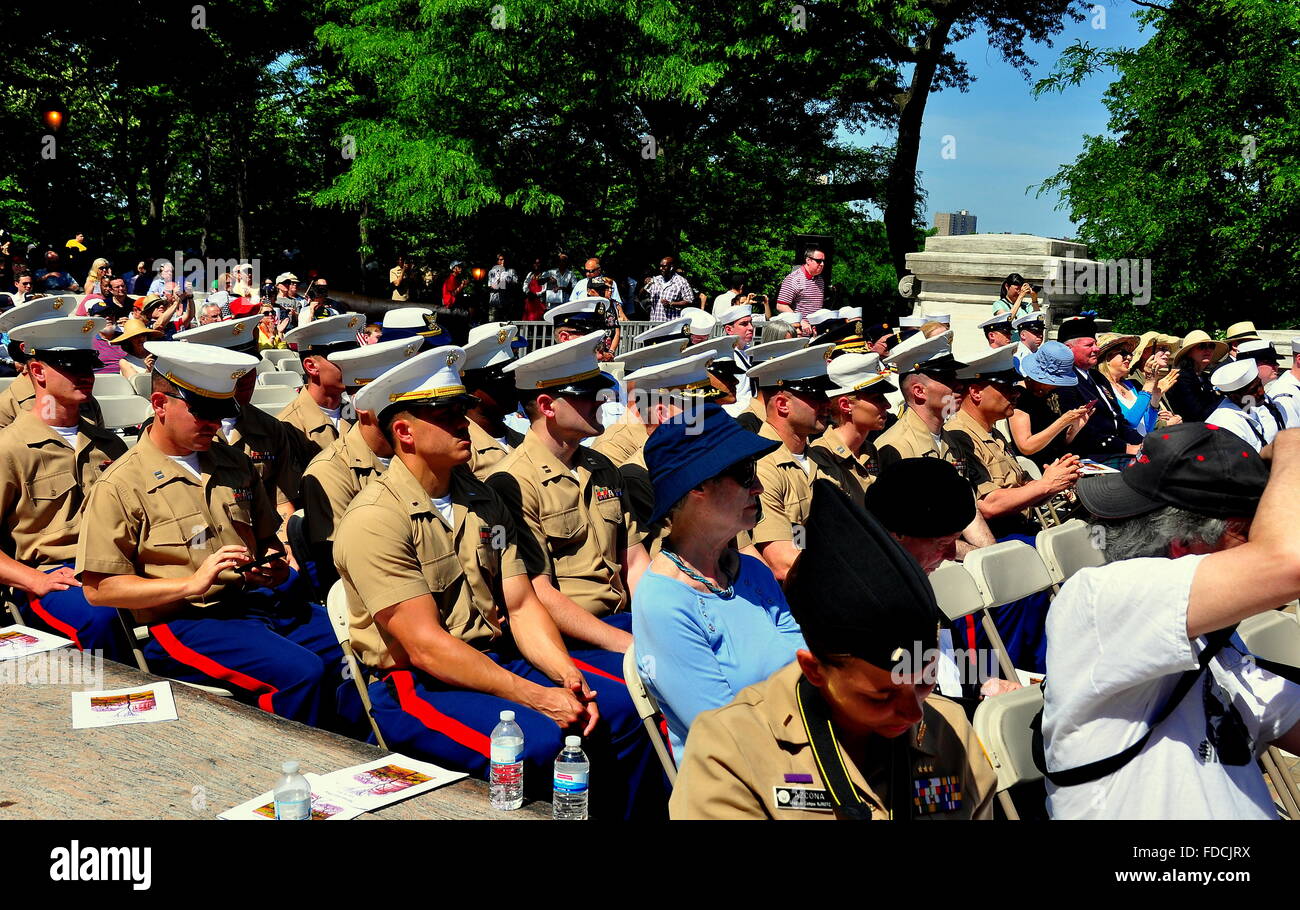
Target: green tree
point(1201, 170)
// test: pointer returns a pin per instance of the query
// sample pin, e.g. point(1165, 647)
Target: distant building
point(962, 222)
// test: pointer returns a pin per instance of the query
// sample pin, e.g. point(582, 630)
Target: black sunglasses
point(742, 472)
point(818, 261)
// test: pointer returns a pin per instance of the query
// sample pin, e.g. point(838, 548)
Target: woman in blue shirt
point(706, 620)
point(1139, 404)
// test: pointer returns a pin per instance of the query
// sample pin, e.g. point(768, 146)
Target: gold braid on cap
point(206, 393)
point(439, 392)
point(565, 380)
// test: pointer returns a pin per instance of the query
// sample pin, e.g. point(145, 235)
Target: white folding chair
point(284, 380)
point(279, 355)
point(1002, 725)
point(11, 604)
point(110, 385)
point(137, 635)
point(265, 366)
point(272, 398)
point(958, 597)
point(292, 365)
point(124, 411)
point(143, 384)
point(336, 605)
point(1275, 636)
point(1067, 548)
point(648, 710)
point(1003, 573)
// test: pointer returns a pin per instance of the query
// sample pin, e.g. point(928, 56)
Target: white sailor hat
point(759, 319)
point(1000, 322)
point(662, 352)
point(852, 373)
point(850, 312)
point(427, 378)
point(945, 318)
point(205, 374)
point(586, 314)
point(1029, 319)
point(236, 334)
point(568, 368)
point(1295, 346)
point(911, 322)
point(362, 366)
point(802, 371)
point(669, 329)
point(790, 318)
point(40, 308)
point(490, 345)
point(921, 354)
point(327, 336)
point(722, 346)
point(700, 322)
point(817, 317)
point(62, 341)
point(728, 315)
point(995, 364)
point(217, 298)
point(285, 276)
point(771, 349)
point(1232, 377)
point(1257, 350)
point(688, 374)
point(412, 322)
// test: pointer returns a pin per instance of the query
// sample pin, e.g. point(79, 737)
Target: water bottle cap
point(289, 767)
point(573, 742)
point(507, 715)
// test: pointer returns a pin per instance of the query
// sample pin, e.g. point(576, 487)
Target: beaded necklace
point(725, 593)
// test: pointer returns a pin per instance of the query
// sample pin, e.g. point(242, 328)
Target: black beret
point(921, 497)
point(1082, 327)
point(854, 590)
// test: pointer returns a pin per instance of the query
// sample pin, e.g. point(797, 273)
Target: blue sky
point(991, 170)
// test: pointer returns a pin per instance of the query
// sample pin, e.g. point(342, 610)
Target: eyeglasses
point(591, 271)
point(743, 473)
point(818, 261)
point(1127, 355)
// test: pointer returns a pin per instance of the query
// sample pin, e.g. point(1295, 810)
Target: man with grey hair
point(209, 313)
point(1198, 536)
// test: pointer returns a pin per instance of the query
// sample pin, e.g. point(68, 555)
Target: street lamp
point(478, 272)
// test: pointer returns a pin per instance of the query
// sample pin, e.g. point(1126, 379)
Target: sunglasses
point(591, 271)
point(743, 473)
point(818, 261)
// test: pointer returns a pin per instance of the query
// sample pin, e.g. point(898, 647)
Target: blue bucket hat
point(1052, 364)
point(680, 455)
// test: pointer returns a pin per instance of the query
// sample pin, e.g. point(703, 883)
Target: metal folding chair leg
point(995, 639)
point(1274, 766)
point(138, 634)
point(1008, 806)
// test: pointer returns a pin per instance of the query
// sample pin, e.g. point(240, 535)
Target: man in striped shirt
point(804, 289)
point(669, 292)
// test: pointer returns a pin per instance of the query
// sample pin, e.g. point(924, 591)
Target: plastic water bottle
point(292, 795)
point(506, 779)
point(569, 795)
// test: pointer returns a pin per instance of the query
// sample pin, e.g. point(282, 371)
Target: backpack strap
point(1096, 770)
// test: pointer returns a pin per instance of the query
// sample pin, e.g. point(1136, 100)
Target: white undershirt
point(443, 505)
point(333, 414)
point(383, 461)
point(67, 434)
point(802, 461)
point(190, 462)
point(505, 445)
point(228, 425)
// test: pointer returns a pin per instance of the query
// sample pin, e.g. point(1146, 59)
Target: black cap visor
point(78, 361)
point(205, 408)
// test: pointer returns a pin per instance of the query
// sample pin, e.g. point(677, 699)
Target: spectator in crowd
point(490, 349)
point(503, 291)
point(1018, 298)
point(319, 305)
point(1192, 397)
point(1106, 434)
point(22, 287)
point(287, 299)
point(52, 279)
point(269, 336)
point(1138, 404)
point(707, 620)
point(1237, 333)
point(1288, 384)
point(455, 284)
point(804, 289)
point(735, 288)
point(96, 282)
point(209, 313)
point(401, 278)
point(117, 305)
point(534, 292)
point(560, 281)
point(138, 281)
point(668, 292)
point(614, 316)
point(1041, 431)
point(166, 275)
point(591, 269)
point(135, 359)
point(110, 355)
point(1161, 712)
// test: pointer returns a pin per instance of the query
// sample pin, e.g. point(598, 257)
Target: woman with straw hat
point(1192, 396)
point(1041, 430)
point(135, 359)
point(1138, 404)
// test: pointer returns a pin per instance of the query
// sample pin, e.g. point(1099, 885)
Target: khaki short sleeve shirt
point(266, 442)
point(851, 473)
point(332, 481)
point(999, 469)
point(787, 492)
point(309, 429)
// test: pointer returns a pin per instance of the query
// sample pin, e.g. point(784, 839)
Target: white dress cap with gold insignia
point(909, 354)
point(806, 364)
point(669, 329)
point(770, 349)
point(235, 334)
point(569, 363)
point(1232, 377)
point(59, 334)
point(817, 317)
point(584, 309)
point(430, 377)
point(40, 308)
point(204, 369)
point(407, 317)
point(661, 352)
point(700, 322)
point(995, 363)
point(688, 373)
point(728, 315)
point(722, 346)
point(362, 366)
point(851, 373)
point(850, 312)
point(490, 344)
point(327, 332)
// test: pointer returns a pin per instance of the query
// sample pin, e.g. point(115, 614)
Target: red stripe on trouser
point(411, 702)
point(183, 654)
point(588, 668)
point(57, 624)
point(970, 637)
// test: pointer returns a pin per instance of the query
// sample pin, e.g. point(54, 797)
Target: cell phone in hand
point(269, 557)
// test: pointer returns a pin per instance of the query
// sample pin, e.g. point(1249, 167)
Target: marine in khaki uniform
point(358, 457)
point(793, 388)
point(858, 408)
point(50, 456)
point(851, 730)
point(315, 417)
point(753, 416)
point(178, 523)
point(490, 348)
point(571, 500)
point(431, 564)
point(21, 393)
